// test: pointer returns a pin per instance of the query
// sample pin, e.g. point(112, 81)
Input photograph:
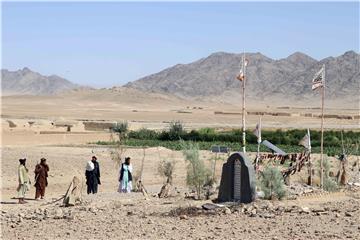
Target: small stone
point(305, 210)
point(227, 210)
point(183, 217)
point(318, 209)
point(58, 214)
point(253, 213)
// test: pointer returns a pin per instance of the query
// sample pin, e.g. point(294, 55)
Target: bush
point(166, 169)
point(121, 128)
point(328, 184)
point(176, 130)
point(197, 174)
point(143, 133)
point(272, 183)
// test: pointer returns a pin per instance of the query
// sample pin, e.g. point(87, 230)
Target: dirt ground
point(110, 215)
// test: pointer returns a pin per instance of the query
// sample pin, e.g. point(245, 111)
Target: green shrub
point(144, 133)
point(328, 184)
point(166, 169)
point(121, 128)
point(176, 130)
point(272, 183)
point(197, 175)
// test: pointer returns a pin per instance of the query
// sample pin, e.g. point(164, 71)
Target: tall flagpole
point(310, 163)
point(322, 131)
point(258, 147)
point(243, 104)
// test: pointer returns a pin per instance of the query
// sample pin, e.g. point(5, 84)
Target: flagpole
point(322, 132)
point(310, 163)
point(243, 105)
point(258, 147)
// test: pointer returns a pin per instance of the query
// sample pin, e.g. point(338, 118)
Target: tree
point(166, 169)
point(176, 130)
point(117, 153)
point(198, 175)
point(272, 183)
point(121, 128)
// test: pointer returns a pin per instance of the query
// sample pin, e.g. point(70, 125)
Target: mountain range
point(213, 79)
point(288, 78)
point(28, 82)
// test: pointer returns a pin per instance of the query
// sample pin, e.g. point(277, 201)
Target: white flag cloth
point(257, 132)
point(305, 141)
point(318, 80)
point(241, 75)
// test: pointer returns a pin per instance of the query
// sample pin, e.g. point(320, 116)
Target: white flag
point(241, 75)
point(257, 131)
point(318, 80)
point(244, 63)
point(305, 141)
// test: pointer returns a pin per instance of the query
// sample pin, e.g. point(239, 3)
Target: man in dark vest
point(92, 176)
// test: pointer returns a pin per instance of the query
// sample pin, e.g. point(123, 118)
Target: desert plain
point(36, 126)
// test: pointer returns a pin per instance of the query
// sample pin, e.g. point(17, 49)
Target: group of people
point(92, 174)
point(41, 175)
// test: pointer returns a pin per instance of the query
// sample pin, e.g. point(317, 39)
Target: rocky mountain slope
point(288, 78)
point(27, 82)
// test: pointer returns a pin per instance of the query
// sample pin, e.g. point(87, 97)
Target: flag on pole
point(257, 132)
point(241, 75)
point(318, 80)
point(305, 141)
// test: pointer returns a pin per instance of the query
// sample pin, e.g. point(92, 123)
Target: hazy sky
point(107, 44)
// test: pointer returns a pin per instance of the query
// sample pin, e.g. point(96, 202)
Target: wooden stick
point(322, 133)
point(243, 106)
point(53, 201)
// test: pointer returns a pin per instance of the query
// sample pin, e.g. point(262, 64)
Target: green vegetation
point(272, 183)
point(207, 137)
point(329, 184)
point(197, 175)
point(121, 129)
point(166, 169)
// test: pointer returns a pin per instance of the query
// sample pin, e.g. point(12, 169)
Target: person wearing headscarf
point(92, 174)
point(125, 177)
point(90, 177)
point(96, 171)
point(24, 181)
point(41, 175)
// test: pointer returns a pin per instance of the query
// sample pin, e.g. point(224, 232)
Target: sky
point(109, 44)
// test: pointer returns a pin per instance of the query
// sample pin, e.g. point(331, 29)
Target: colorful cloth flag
point(318, 80)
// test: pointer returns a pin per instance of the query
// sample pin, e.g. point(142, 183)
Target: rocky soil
point(130, 216)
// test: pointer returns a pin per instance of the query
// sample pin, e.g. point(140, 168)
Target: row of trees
point(177, 131)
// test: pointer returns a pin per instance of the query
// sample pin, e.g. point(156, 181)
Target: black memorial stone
point(238, 180)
